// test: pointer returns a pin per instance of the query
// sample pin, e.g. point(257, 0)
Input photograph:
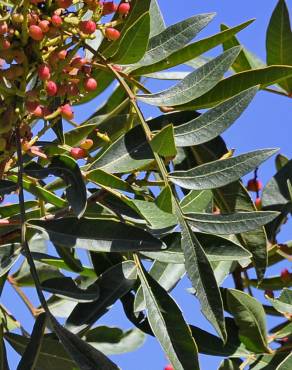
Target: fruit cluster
point(44, 64)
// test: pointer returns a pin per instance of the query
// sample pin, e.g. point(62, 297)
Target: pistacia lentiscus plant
point(127, 190)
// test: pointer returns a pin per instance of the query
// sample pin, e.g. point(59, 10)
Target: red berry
point(109, 7)
point(87, 27)
point(57, 20)
point(86, 144)
point(44, 26)
point(35, 32)
point(51, 88)
point(258, 203)
point(90, 84)
point(64, 3)
point(62, 54)
point(78, 153)
point(44, 72)
point(124, 8)
point(168, 367)
point(66, 111)
point(112, 33)
point(254, 185)
point(285, 275)
point(3, 28)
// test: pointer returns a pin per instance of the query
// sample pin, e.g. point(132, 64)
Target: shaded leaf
point(7, 187)
point(196, 201)
point(283, 304)
point(228, 364)
point(163, 142)
point(9, 254)
point(103, 178)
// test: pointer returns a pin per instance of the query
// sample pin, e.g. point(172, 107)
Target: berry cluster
point(43, 60)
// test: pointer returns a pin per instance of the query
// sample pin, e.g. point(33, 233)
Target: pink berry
point(66, 111)
point(78, 153)
point(109, 7)
point(90, 84)
point(44, 72)
point(3, 28)
point(64, 3)
point(57, 20)
point(35, 32)
point(124, 8)
point(51, 88)
point(112, 33)
point(44, 26)
point(87, 27)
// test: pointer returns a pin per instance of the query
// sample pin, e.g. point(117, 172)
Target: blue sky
point(266, 123)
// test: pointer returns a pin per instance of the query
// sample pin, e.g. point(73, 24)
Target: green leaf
point(271, 362)
point(103, 178)
point(134, 42)
point(279, 41)
point(51, 355)
point(164, 200)
point(271, 283)
point(195, 84)
point(7, 321)
point(12, 209)
point(102, 235)
point(230, 364)
point(174, 38)
point(66, 288)
point(32, 351)
point(3, 355)
point(221, 172)
point(9, 254)
point(230, 223)
point(286, 364)
point(280, 161)
point(166, 275)
point(196, 201)
point(249, 316)
point(7, 187)
point(66, 168)
point(114, 341)
point(234, 84)
point(283, 304)
point(128, 153)
point(202, 278)
point(168, 324)
point(157, 24)
point(191, 51)
point(213, 122)
point(113, 284)
point(163, 142)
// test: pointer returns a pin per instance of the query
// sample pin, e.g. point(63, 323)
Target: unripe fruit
point(254, 185)
point(109, 7)
point(3, 28)
point(78, 153)
point(17, 18)
point(44, 72)
point(36, 33)
point(51, 88)
point(64, 3)
point(62, 54)
point(66, 112)
point(44, 25)
point(258, 203)
point(124, 8)
point(285, 275)
point(57, 20)
point(90, 84)
point(86, 144)
point(112, 33)
point(87, 27)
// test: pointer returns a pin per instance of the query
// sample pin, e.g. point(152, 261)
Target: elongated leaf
point(283, 304)
point(271, 283)
point(114, 341)
point(279, 40)
point(191, 51)
point(195, 84)
point(168, 325)
point(66, 168)
point(285, 364)
point(66, 288)
point(221, 172)
point(214, 122)
point(134, 42)
point(103, 178)
point(12, 209)
point(130, 152)
point(9, 254)
point(85, 356)
point(163, 142)
point(174, 38)
point(233, 85)
point(249, 316)
point(113, 284)
point(157, 24)
point(202, 278)
point(270, 362)
point(3, 355)
point(103, 235)
point(32, 351)
point(7, 187)
point(229, 224)
point(196, 201)
point(167, 275)
point(230, 364)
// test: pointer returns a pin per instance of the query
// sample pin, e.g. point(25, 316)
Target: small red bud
point(90, 84)
point(51, 88)
point(87, 27)
point(285, 275)
point(36, 33)
point(258, 203)
point(78, 153)
point(168, 367)
point(254, 185)
point(124, 8)
point(44, 72)
point(112, 33)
